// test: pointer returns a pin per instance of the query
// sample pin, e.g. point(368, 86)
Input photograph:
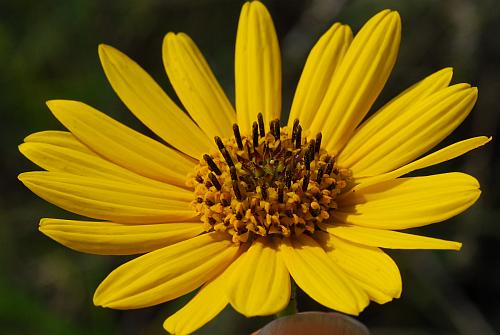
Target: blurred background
point(48, 49)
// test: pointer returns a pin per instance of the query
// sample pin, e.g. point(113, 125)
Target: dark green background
point(48, 49)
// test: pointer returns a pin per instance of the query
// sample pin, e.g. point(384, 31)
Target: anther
point(281, 196)
point(319, 177)
point(307, 159)
point(219, 143)
point(211, 164)
point(209, 202)
point(232, 171)
point(329, 166)
point(263, 191)
point(227, 157)
point(310, 149)
point(288, 178)
point(199, 179)
point(236, 190)
point(294, 129)
point(318, 143)
point(261, 125)
point(298, 137)
point(255, 133)
point(237, 136)
point(305, 181)
point(276, 129)
point(214, 181)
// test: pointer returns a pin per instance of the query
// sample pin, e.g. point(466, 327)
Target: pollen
point(278, 182)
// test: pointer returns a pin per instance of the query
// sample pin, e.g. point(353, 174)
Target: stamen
point(211, 164)
point(263, 191)
point(305, 181)
point(294, 129)
point(237, 136)
point(219, 143)
point(232, 171)
point(280, 194)
point(307, 159)
point(214, 181)
point(329, 166)
point(236, 190)
point(275, 129)
point(227, 157)
point(298, 137)
point(319, 177)
point(255, 133)
point(261, 125)
point(318, 143)
point(288, 178)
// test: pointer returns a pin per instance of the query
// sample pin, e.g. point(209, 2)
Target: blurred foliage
point(48, 50)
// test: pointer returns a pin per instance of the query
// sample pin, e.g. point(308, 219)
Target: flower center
point(268, 183)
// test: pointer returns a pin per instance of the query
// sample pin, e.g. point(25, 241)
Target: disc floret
point(276, 183)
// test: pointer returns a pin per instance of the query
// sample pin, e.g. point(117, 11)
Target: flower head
point(314, 199)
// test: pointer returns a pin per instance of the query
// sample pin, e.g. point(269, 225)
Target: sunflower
point(236, 216)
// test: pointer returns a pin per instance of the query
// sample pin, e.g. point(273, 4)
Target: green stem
point(291, 308)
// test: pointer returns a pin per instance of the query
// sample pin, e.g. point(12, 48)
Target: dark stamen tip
point(262, 130)
point(232, 171)
point(275, 128)
point(227, 157)
point(219, 143)
point(298, 137)
point(294, 128)
point(281, 196)
point(236, 190)
point(263, 191)
point(211, 164)
point(214, 181)
point(255, 134)
point(318, 143)
point(319, 177)
point(237, 136)
point(305, 181)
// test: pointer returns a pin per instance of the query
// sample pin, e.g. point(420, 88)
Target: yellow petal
point(415, 130)
point(358, 80)
point(318, 276)
point(388, 239)
point(81, 162)
point(369, 265)
point(207, 303)
point(120, 144)
point(104, 199)
point(408, 202)
point(257, 66)
point(63, 139)
point(356, 148)
point(196, 86)
point(167, 273)
point(320, 66)
point(109, 238)
point(452, 151)
point(150, 104)
point(260, 283)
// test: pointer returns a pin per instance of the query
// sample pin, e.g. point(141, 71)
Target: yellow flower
point(315, 199)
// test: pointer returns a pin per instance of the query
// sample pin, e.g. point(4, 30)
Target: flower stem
point(291, 308)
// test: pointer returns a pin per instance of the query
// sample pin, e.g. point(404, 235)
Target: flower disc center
point(268, 183)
